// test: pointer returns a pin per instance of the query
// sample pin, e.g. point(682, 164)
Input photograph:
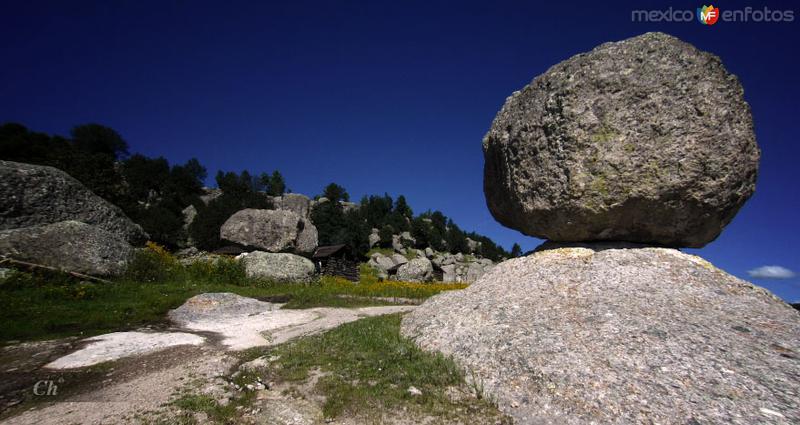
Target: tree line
point(154, 194)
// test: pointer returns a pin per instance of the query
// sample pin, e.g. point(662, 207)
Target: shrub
point(78, 291)
point(222, 270)
point(16, 279)
point(152, 264)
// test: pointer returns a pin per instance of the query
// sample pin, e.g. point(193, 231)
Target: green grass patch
point(205, 404)
point(369, 368)
point(48, 305)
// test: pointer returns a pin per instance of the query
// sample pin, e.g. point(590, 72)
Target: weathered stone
point(210, 194)
point(449, 273)
point(429, 252)
point(307, 239)
point(399, 259)
point(416, 270)
point(644, 140)
point(278, 267)
point(70, 246)
point(189, 214)
point(620, 334)
point(473, 246)
point(381, 262)
point(402, 241)
point(347, 206)
point(33, 195)
point(218, 306)
point(374, 238)
point(271, 230)
point(294, 202)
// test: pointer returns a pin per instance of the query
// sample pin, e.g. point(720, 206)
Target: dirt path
point(128, 377)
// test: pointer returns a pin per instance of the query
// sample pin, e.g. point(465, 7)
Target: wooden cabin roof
point(327, 251)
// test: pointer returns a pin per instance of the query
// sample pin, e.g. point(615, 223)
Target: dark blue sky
point(377, 96)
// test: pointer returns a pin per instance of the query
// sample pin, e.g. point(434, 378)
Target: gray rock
point(399, 259)
point(271, 230)
point(397, 245)
point(402, 241)
point(464, 272)
point(210, 194)
point(644, 140)
point(374, 238)
point(347, 206)
point(417, 270)
point(33, 195)
point(70, 246)
point(429, 252)
point(474, 246)
point(294, 202)
point(449, 273)
point(189, 214)
point(308, 238)
point(620, 334)
point(381, 262)
point(218, 306)
point(278, 267)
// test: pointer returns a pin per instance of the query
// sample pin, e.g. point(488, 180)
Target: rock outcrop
point(403, 241)
point(644, 140)
point(34, 195)
point(294, 202)
point(418, 269)
point(68, 245)
point(620, 334)
point(460, 268)
point(277, 267)
point(430, 265)
point(271, 230)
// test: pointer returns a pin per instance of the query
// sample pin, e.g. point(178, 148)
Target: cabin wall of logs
point(342, 267)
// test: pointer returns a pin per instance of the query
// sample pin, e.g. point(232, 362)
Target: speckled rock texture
point(271, 230)
point(644, 140)
point(32, 195)
point(277, 267)
point(68, 245)
point(614, 333)
point(417, 270)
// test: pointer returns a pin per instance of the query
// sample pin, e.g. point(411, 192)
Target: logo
point(47, 387)
point(708, 15)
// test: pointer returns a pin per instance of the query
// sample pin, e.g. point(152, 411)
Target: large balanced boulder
point(277, 267)
point(70, 246)
point(271, 230)
point(644, 140)
point(32, 195)
point(620, 334)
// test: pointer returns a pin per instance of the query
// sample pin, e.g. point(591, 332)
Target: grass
point(388, 252)
point(364, 371)
point(368, 367)
point(49, 305)
point(216, 412)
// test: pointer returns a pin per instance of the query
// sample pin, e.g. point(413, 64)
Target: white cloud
point(771, 272)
